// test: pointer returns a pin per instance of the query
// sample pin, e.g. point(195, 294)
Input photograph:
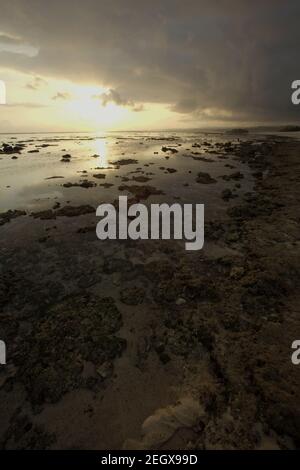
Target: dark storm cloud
point(232, 56)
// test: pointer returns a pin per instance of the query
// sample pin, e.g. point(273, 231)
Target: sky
point(74, 65)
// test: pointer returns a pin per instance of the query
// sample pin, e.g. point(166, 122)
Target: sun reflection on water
point(101, 150)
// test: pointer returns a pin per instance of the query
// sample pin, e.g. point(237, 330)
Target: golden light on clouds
point(150, 65)
point(41, 103)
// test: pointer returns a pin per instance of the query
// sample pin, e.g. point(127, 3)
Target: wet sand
point(141, 344)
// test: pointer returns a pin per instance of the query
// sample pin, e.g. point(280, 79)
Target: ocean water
point(31, 181)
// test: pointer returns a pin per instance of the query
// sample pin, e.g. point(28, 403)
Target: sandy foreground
point(141, 344)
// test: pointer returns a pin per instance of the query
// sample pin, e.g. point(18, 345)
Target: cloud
point(16, 45)
point(36, 83)
point(61, 96)
point(185, 105)
point(25, 105)
point(11, 40)
point(112, 96)
point(190, 56)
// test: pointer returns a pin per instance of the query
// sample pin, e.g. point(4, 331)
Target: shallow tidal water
point(35, 179)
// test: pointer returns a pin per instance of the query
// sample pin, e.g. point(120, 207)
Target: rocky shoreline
point(144, 345)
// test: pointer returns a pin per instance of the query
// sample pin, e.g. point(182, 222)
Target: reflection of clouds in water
point(101, 150)
point(31, 189)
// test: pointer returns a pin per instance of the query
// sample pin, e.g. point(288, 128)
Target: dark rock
point(169, 149)
point(205, 178)
point(141, 192)
point(132, 295)
point(78, 329)
point(227, 194)
point(10, 214)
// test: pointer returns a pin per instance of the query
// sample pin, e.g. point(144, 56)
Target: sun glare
point(86, 107)
point(101, 150)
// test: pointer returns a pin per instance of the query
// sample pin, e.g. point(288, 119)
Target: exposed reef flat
point(140, 343)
